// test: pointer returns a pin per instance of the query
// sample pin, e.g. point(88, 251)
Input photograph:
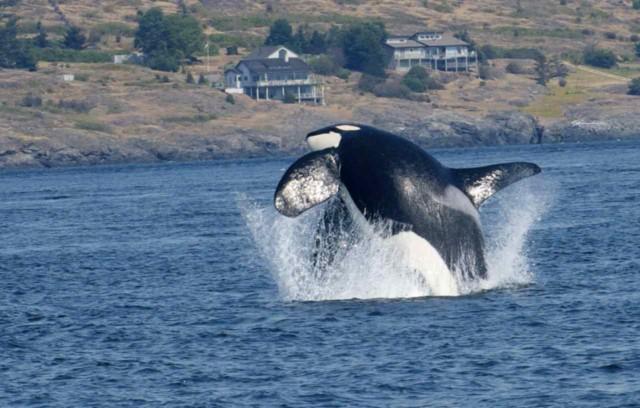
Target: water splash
point(379, 267)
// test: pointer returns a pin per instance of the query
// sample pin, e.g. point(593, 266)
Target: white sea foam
point(402, 266)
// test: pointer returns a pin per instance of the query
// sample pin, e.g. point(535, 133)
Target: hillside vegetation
point(127, 112)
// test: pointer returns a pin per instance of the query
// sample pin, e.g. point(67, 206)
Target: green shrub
point(230, 99)
point(638, 49)
point(344, 74)
point(76, 105)
point(323, 65)
point(562, 82)
point(368, 82)
point(514, 68)
point(414, 84)
point(419, 80)
point(392, 89)
point(162, 78)
point(636, 4)
point(190, 79)
point(202, 80)
point(599, 57)
point(31, 101)
point(416, 79)
point(163, 61)
point(486, 72)
point(634, 87)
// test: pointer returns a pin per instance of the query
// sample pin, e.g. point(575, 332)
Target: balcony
point(287, 82)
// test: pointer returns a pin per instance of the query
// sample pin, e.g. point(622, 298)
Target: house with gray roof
point(273, 73)
point(434, 50)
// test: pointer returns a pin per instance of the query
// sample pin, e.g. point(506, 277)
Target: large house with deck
point(273, 73)
point(432, 49)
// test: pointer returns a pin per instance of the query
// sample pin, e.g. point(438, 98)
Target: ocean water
point(179, 285)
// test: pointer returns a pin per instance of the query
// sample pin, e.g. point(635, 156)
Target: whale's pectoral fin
point(481, 183)
point(311, 180)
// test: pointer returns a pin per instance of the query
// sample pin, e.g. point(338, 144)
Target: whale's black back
point(390, 178)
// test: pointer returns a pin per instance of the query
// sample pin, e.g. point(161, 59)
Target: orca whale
point(378, 176)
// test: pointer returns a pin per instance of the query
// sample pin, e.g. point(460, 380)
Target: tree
point(317, 43)
point(74, 38)
point(546, 70)
point(280, 33)
point(634, 86)
point(202, 80)
point(363, 48)
point(542, 70)
point(636, 4)
point(41, 39)
point(299, 42)
point(190, 79)
point(167, 40)
point(15, 53)
point(185, 35)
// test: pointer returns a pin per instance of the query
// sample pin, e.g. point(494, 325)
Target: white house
point(273, 73)
point(431, 49)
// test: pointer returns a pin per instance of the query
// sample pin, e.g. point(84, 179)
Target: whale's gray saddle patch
point(481, 183)
point(311, 180)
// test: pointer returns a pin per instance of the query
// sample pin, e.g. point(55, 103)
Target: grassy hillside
point(552, 25)
point(114, 104)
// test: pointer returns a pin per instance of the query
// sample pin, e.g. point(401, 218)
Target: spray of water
point(375, 265)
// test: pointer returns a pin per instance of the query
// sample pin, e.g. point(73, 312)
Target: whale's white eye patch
point(347, 128)
point(324, 140)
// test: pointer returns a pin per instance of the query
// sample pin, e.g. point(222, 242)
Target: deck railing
point(287, 82)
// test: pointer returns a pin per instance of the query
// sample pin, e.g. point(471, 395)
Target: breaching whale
point(379, 176)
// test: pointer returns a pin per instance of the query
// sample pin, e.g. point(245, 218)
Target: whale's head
point(331, 136)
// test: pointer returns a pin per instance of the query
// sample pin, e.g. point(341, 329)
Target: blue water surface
point(136, 286)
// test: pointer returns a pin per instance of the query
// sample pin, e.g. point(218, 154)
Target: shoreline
point(33, 158)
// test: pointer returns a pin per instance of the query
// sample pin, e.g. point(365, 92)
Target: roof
point(406, 44)
point(262, 52)
point(260, 66)
point(446, 40)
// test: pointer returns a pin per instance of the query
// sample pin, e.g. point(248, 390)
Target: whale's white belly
point(414, 253)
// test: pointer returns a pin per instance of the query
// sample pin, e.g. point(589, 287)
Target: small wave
point(376, 266)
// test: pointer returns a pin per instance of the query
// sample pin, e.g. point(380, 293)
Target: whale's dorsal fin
point(311, 180)
point(481, 183)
